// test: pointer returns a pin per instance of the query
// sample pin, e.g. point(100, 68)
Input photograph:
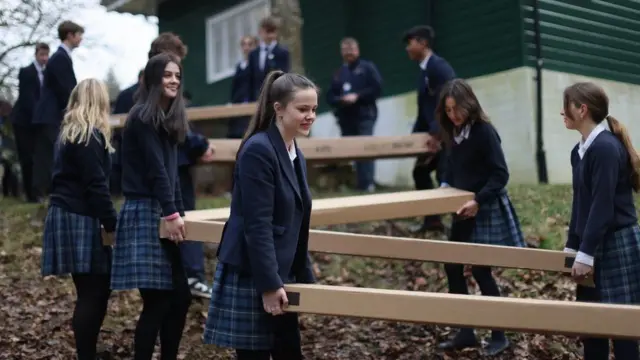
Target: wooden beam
point(363, 208)
point(528, 315)
point(201, 113)
point(341, 148)
point(399, 248)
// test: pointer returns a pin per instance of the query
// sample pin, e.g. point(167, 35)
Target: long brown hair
point(597, 102)
point(277, 87)
point(467, 105)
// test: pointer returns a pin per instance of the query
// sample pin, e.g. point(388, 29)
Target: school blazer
point(28, 95)
point(279, 61)
point(59, 81)
point(267, 233)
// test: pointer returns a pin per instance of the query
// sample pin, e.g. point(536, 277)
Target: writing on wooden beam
point(523, 315)
point(347, 147)
point(372, 207)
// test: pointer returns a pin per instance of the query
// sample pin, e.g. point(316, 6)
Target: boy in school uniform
point(267, 57)
point(434, 73)
point(354, 89)
point(59, 81)
point(603, 230)
point(240, 88)
point(31, 79)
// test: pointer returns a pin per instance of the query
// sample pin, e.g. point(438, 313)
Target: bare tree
point(290, 17)
point(112, 84)
point(23, 23)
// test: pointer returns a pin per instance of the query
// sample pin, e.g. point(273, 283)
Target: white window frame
point(231, 52)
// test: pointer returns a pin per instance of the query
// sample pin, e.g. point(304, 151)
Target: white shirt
point(66, 48)
point(424, 62)
point(583, 145)
point(40, 71)
point(463, 135)
point(292, 153)
point(264, 50)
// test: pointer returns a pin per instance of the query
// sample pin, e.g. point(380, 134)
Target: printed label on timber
point(395, 145)
point(323, 149)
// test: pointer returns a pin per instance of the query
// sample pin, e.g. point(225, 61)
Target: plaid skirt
point(72, 244)
point(236, 317)
point(139, 260)
point(618, 267)
point(496, 223)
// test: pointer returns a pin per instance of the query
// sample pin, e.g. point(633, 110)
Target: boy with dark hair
point(168, 42)
point(59, 81)
point(30, 80)
point(268, 56)
point(434, 73)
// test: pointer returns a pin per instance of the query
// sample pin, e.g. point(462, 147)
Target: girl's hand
point(209, 155)
point(274, 302)
point(469, 209)
point(580, 271)
point(175, 229)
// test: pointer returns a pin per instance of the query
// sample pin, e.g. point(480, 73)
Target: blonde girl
point(79, 207)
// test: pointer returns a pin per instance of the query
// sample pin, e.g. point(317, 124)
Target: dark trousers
point(164, 312)
point(9, 179)
point(461, 231)
point(287, 344)
point(365, 169)
point(424, 166)
point(25, 142)
point(93, 291)
point(598, 348)
point(192, 251)
point(45, 140)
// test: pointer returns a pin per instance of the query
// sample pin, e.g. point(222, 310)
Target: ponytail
point(620, 131)
point(264, 115)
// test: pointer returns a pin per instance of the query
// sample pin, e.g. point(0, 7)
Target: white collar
point(268, 47)
point(425, 61)
point(584, 145)
point(463, 135)
point(39, 68)
point(293, 154)
point(66, 48)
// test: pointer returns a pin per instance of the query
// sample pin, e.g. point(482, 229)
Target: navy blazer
point(59, 81)
point(28, 95)
point(437, 73)
point(363, 78)
point(278, 59)
point(267, 233)
point(124, 101)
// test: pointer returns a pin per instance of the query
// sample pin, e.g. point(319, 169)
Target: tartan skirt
point(139, 260)
point(496, 223)
point(236, 317)
point(618, 267)
point(72, 244)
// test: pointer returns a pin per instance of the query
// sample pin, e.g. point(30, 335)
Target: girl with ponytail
point(603, 230)
point(265, 240)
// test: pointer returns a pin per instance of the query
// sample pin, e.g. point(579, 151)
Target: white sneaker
point(198, 288)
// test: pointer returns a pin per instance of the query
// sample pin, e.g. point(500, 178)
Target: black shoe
point(464, 339)
point(495, 347)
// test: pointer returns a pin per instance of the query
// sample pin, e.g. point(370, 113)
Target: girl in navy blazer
point(603, 230)
point(79, 205)
point(476, 163)
point(265, 241)
point(142, 260)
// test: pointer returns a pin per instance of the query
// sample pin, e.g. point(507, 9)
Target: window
point(223, 33)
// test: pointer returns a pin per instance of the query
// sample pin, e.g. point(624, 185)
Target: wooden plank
point(524, 315)
point(202, 113)
point(347, 147)
point(387, 247)
point(363, 208)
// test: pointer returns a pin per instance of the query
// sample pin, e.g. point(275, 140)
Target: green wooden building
point(491, 43)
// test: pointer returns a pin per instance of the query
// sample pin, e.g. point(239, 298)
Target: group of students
point(264, 244)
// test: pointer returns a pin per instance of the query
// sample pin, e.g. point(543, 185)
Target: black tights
point(286, 342)
point(598, 348)
point(164, 312)
point(91, 306)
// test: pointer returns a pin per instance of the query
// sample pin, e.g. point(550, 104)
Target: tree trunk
point(289, 15)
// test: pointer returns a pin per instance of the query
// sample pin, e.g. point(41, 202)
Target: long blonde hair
point(88, 110)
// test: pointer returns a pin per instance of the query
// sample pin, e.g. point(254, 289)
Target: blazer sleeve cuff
point(268, 283)
point(583, 258)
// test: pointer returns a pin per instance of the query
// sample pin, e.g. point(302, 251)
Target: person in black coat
point(267, 57)
point(434, 73)
point(603, 230)
point(240, 89)
point(80, 206)
point(59, 81)
point(30, 81)
point(265, 241)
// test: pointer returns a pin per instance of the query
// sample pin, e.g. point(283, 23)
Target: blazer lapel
point(283, 158)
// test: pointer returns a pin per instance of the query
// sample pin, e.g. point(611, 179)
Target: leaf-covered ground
point(35, 312)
